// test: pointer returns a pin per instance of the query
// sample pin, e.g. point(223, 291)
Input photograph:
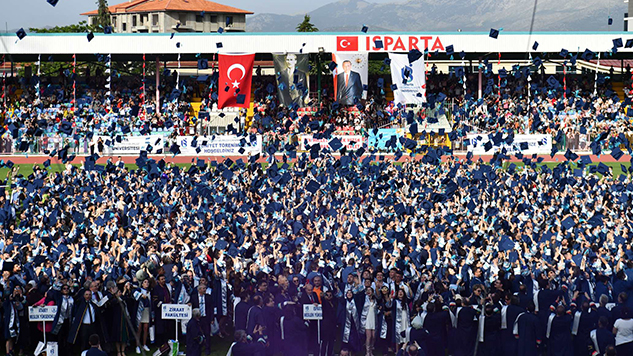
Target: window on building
point(155, 20)
point(124, 27)
point(229, 20)
point(144, 19)
point(114, 21)
point(134, 21)
point(213, 19)
point(199, 18)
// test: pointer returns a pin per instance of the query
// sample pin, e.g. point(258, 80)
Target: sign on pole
point(312, 312)
point(176, 311)
point(42, 313)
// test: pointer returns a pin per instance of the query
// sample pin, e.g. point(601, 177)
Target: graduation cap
point(332, 66)
point(563, 53)
point(535, 46)
point(450, 50)
point(364, 29)
point(47, 163)
point(52, 2)
point(220, 30)
point(240, 99)
point(90, 36)
point(610, 21)
point(587, 55)
point(313, 186)
point(21, 33)
point(506, 244)
point(379, 44)
point(494, 33)
point(414, 55)
point(629, 43)
point(617, 43)
point(219, 45)
point(174, 149)
point(617, 153)
point(107, 30)
point(203, 64)
point(568, 223)
point(221, 244)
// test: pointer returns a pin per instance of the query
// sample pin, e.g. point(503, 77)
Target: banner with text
point(129, 145)
point(526, 144)
point(350, 76)
point(351, 142)
point(409, 79)
point(221, 145)
point(176, 311)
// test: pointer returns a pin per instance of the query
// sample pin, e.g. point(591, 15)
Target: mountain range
point(450, 15)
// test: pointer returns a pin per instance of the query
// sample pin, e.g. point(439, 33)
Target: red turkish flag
point(234, 85)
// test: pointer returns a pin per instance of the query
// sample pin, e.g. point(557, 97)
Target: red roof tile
point(137, 6)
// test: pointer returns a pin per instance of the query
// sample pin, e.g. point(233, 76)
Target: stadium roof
point(138, 6)
point(512, 45)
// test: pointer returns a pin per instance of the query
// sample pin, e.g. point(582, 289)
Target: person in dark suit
point(161, 295)
point(241, 311)
point(195, 334)
point(86, 321)
point(349, 85)
point(293, 91)
point(202, 301)
point(328, 324)
point(95, 347)
point(309, 297)
point(242, 347)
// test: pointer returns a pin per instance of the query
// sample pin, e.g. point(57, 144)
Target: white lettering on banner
point(42, 313)
point(539, 144)
point(129, 144)
point(176, 311)
point(312, 312)
point(219, 145)
point(351, 142)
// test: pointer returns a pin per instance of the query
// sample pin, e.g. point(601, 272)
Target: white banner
point(219, 145)
point(540, 144)
point(312, 312)
point(42, 313)
point(350, 76)
point(351, 142)
point(409, 78)
point(176, 311)
point(129, 145)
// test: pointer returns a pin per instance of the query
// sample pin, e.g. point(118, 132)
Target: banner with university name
point(350, 76)
point(409, 78)
point(292, 71)
point(129, 145)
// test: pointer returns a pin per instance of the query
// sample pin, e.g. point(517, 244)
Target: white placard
point(312, 312)
point(412, 84)
point(176, 311)
point(42, 313)
point(540, 144)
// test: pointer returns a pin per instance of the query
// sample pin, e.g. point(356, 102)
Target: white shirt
point(89, 317)
point(625, 331)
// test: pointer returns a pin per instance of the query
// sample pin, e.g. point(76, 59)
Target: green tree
point(103, 16)
point(306, 25)
point(82, 26)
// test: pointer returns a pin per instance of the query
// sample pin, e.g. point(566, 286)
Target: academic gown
point(528, 328)
point(80, 309)
point(492, 336)
point(560, 341)
point(508, 341)
point(241, 314)
point(603, 338)
point(437, 325)
point(295, 333)
point(588, 322)
point(194, 332)
point(254, 317)
point(241, 349)
point(271, 316)
point(160, 295)
point(466, 332)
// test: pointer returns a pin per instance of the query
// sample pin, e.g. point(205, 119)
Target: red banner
point(234, 86)
point(346, 43)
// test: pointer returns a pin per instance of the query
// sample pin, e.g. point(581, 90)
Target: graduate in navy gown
point(293, 333)
point(601, 337)
point(558, 333)
point(527, 330)
point(465, 325)
point(195, 334)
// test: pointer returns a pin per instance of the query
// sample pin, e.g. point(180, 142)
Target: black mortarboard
point(313, 186)
point(174, 149)
point(240, 99)
point(203, 63)
point(220, 30)
point(617, 153)
point(90, 36)
point(587, 55)
point(219, 45)
point(450, 50)
point(629, 43)
point(332, 65)
point(107, 30)
point(535, 46)
point(52, 2)
point(617, 43)
point(494, 33)
point(21, 33)
point(364, 29)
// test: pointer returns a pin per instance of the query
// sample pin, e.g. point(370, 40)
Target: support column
point(479, 79)
point(157, 99)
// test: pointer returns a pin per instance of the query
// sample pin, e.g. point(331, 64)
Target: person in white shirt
point(623, 330)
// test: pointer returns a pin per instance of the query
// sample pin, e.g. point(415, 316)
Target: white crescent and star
point(344, 43)
point(236, 83)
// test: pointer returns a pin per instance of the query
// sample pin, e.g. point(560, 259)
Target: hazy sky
point(38, 13)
